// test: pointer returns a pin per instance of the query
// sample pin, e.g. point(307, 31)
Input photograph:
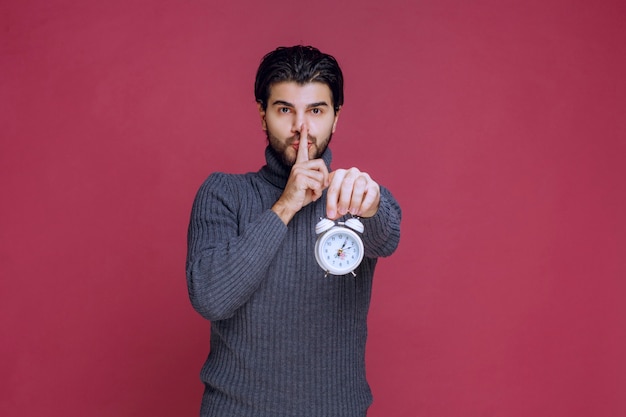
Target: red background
point(499, 125)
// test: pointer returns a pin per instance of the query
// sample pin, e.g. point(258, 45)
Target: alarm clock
point(339, 249)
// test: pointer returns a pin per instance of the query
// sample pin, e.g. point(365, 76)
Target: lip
point(296, 145)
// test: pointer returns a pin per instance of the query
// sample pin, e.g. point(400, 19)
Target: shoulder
point(219, 180)
point(225, 186)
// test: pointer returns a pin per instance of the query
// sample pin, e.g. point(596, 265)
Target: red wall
point(499, 125)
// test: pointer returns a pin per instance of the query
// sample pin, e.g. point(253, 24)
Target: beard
point(279, 148)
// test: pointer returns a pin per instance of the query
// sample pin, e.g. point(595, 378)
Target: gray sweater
point(285, 339)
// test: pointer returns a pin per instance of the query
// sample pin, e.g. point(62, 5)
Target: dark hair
point(302, 64)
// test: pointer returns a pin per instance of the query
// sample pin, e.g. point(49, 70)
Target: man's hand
point(307, 180)
point(352, 191)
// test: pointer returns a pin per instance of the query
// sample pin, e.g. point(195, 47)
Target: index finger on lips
point(303, 147)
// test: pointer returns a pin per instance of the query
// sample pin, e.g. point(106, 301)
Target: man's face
point(291, 106)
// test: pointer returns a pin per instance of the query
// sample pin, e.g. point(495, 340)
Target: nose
point(297, 122)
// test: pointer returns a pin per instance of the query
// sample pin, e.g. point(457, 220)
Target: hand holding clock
point(349, 190)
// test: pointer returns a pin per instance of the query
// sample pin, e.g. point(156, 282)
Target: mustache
point(296, 138)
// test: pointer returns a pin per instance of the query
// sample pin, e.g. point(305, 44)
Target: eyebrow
point(308, 106)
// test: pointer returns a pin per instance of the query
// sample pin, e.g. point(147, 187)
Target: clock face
point(339, 251)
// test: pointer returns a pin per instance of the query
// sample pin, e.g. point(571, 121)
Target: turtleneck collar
point(277, 173)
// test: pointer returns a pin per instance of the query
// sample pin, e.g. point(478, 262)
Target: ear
point(336, 119)
point(262, 115)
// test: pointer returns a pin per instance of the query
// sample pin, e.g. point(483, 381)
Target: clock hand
point(340, 251)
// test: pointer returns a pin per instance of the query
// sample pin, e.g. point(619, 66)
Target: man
point(287, 340)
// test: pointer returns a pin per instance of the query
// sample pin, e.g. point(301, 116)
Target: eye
point(284, 110)
point(316, 110)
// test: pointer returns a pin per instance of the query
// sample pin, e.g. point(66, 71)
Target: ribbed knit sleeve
point(227, 262)
point(382, 231)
